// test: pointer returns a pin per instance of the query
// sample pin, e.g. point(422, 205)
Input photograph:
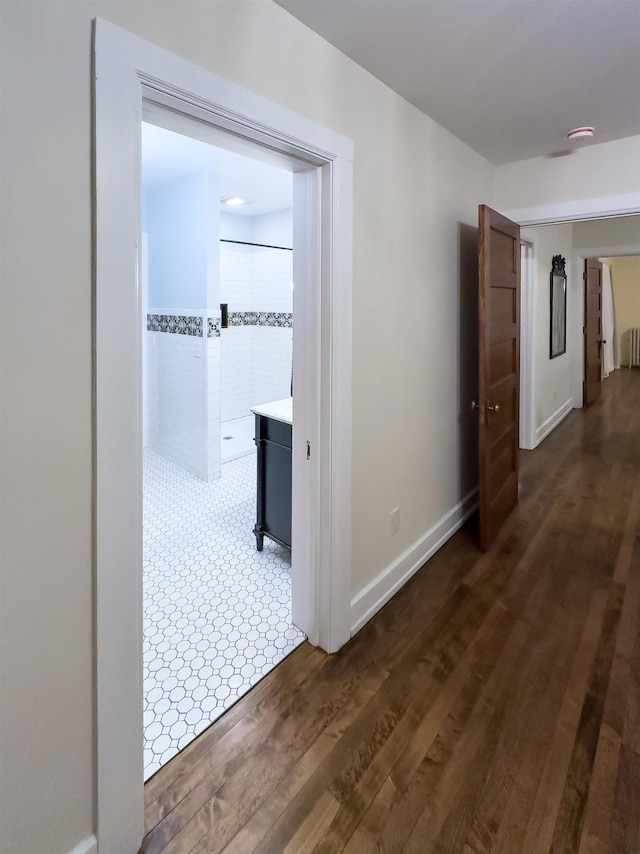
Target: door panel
point(502, 359)
point(592, 329)
point(499, 369)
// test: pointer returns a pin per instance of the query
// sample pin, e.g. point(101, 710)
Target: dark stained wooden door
point(499, 369)
point(592, 330)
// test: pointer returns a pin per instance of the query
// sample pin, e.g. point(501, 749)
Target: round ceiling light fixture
point(579, 134)
point(233, 201)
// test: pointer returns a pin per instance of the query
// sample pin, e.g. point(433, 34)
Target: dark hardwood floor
point(492, 706)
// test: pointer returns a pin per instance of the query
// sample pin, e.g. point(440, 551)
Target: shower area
point(256, 345)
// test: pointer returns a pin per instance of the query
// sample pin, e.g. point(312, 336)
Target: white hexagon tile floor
point(217, 613)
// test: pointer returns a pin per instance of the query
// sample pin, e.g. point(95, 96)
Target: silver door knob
point(494, 408)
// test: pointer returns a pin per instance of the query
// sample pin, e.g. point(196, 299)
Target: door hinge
point(308, 450)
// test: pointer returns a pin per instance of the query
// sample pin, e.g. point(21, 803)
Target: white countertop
point(279, 410)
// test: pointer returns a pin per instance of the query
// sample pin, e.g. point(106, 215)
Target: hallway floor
point(492, 706)
point(217, 613)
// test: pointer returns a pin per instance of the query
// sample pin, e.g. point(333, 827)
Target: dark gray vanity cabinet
point(273, 440)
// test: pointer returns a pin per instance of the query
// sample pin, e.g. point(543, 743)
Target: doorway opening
point(132, 75)
point(611, 318)
point(217, 347)
point(555, 385)
point(622, 320)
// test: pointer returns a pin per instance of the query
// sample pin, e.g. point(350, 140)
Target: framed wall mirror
point(558, 336)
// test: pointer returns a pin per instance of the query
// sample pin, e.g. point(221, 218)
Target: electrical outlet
point(394, 521)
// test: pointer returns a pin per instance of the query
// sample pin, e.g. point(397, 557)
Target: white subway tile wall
point(271, 349)
point(235, 377)
point(192, 383)
point(235, 276)
point(182, 393)
point(271, 277)
point(256, 360)
point(175, 409)
point(214, 455)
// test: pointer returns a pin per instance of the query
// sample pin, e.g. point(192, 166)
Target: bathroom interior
point(217, 317)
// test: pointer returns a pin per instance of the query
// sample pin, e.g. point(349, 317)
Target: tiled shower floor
point(237, 438)
point(217, 613)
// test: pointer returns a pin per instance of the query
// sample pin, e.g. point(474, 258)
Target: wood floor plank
point(599, 808)
point(596, 829)
point(465, 729)
point(390, 713)
point(309, 834)
point(250, 838)
point(568, 828)
point(255, 830)
point(462, 752)
point(542, 819)
point(625, 832)
point(522, 738)
point(492, 707)
point(233, 800)
point(244, 724)
point(631, 726)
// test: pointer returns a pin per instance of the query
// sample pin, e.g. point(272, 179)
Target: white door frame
point(129, 70)
point(527, 436)
point(578, 258)
point(627, 204)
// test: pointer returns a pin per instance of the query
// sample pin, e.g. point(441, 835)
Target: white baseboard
point(87, 846)
point(552, 422)
point(378, 592)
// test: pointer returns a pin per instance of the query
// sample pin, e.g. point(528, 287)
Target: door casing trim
point(128, 70)
point(578, 258)
point(527, 325)
point(623, 204)
point(606, 207)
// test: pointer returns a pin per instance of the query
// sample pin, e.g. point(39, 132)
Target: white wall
point(413, 348)
point(576, 183)
point(273, 229)
point(235, 227)
point(552, 378)
point(411, 387)
point(618, 234)
point(182, 223)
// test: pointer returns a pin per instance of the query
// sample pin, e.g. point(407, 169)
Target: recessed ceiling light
point(233, 200)
point(579, 134)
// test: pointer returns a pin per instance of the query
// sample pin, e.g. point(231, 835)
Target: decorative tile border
point(213, 327)
point(261, 318)
point(180, 324)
